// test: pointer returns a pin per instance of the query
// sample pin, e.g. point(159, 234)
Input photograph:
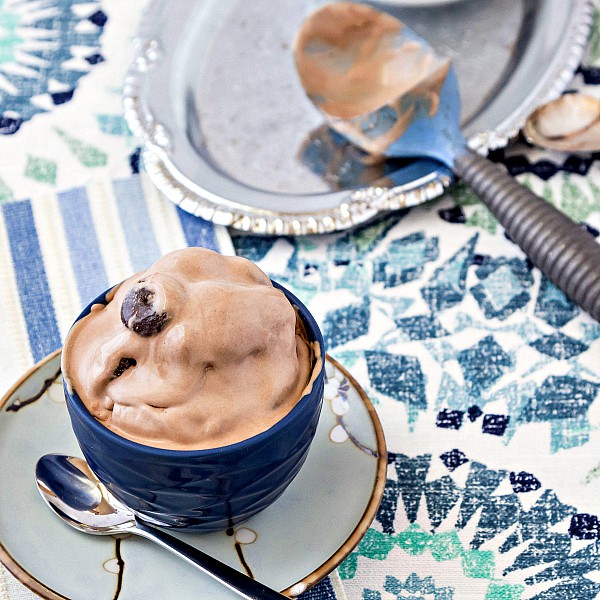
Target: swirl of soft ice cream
point(199, 351)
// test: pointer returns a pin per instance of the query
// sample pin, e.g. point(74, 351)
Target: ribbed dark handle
point(565, 252)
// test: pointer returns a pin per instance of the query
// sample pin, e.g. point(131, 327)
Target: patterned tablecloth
point(484, 375)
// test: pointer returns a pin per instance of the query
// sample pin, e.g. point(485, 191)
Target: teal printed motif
point(41, 169)
point(447, 287)
point(405, 259)
point(454, 336)
point(6, 193)
point(541, 540)
point(553, 306)
point(113, 125)
point(9, 38)
point(399, 377)
point(39, 66)
point(346, 324)
point(522, 328)
point(503, 286)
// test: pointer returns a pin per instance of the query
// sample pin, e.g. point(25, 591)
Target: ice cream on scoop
point(368, 73)
point(197, 352)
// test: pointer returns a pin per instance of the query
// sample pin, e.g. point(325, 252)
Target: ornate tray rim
point(355, 206)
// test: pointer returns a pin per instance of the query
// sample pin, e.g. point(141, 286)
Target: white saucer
point(290, 546)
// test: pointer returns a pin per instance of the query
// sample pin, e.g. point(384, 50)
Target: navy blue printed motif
point(397, 376)
point(450, 419)
point(519, 164)
point(584, 527)
point(524, 482)
point(454, 459)
point(495, 424)
point(455, 214)
point(483, 364)
point(474, 413)
point(321, 591)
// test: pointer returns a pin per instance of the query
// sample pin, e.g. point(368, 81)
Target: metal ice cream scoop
point(387, 91)
point(73, 492)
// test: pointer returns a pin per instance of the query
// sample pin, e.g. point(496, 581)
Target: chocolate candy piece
point(123, 365)
point(138, 312)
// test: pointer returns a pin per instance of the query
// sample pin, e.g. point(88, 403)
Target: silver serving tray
point(214, 98)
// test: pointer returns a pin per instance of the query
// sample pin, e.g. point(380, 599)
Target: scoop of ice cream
point(199, 351)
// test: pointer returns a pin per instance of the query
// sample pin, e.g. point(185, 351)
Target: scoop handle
point(565, 252)
point(233, 579)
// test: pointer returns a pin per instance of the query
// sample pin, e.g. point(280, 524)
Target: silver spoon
point(386, 90)
point(73, 492)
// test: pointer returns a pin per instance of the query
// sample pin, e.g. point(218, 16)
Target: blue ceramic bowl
point(210, 489)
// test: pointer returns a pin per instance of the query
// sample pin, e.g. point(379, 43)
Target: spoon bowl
point(379, 84)
point(72, 491)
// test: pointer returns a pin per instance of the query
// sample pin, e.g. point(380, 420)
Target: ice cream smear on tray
point(199, 351)
point(355, 62)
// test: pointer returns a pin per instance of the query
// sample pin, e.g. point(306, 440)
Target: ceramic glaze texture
point(203, 489)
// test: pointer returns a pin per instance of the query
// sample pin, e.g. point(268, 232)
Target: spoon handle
point(228, 576)
point(566, 253)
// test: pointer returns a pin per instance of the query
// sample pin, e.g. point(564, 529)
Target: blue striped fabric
point(197, 231)
point(141, 242)
point(84, 248)
point(45, 272)
point(322, 591)
point(31, 279)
